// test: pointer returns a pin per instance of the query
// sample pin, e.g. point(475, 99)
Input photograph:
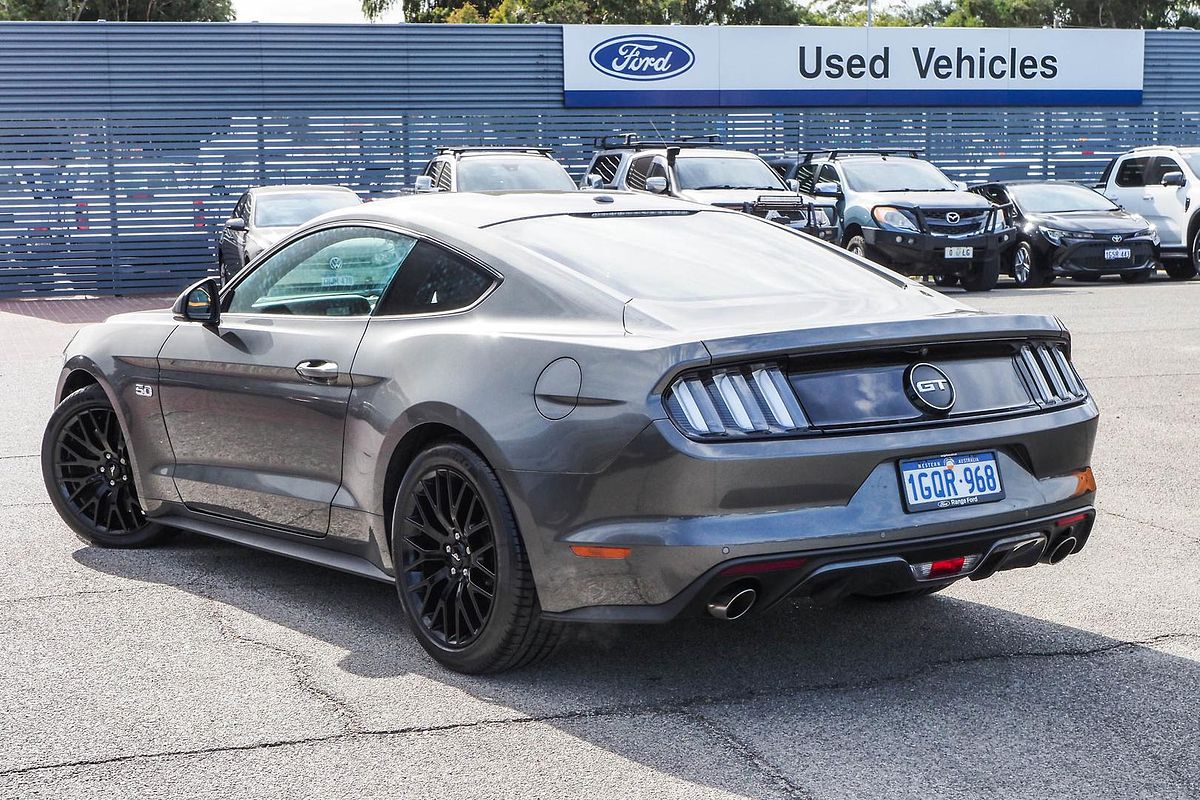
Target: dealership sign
point(606, 65)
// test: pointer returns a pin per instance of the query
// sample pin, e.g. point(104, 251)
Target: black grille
point(956, 222)
point(1091, 256)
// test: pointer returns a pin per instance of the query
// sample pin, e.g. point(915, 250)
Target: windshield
point(903, 175)
point(694, 255)
point(520, 174)
point(287, 210)
point(1047, 198)
point(708, 172)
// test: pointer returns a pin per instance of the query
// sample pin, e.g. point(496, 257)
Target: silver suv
point(699, 169)
point(494, 169)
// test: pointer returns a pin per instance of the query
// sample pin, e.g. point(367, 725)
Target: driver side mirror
point(656, 185)
point(961, 185)
point(1174, 179)
point(827, 189)
point(200, 302)
point(594, 181)
point(793, 185)
point(235, 224)
point(423, 184)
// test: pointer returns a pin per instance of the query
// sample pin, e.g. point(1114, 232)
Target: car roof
point(298, 188)
point(1028, 182)
point(689, 152)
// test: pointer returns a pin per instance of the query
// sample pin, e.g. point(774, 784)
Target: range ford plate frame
point(950, 481)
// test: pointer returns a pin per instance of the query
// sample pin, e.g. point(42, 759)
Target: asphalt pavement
point(201, 670)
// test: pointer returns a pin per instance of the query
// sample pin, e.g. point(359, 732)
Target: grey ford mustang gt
point(531, 410)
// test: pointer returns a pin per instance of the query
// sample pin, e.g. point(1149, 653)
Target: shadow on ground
point(957, 696)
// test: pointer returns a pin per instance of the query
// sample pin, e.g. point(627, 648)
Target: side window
point(441, 176)
point(606, 167)
point(994, 193)
point(338, 272)
point(1132, 172)
point(829, 174)
point(1161, 166)
point(639, 170)
point(434, 279)
point(242, 209)
point(804, 174)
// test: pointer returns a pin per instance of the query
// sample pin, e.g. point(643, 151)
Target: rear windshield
point(694, 255)
point(521, 174)
point(1046, 198)
point(289, 209)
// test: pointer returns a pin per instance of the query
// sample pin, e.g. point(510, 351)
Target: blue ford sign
point(642, 58)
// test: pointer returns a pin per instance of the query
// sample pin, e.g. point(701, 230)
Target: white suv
point(1163, 185)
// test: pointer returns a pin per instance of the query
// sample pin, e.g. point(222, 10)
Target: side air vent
point(1050, 374)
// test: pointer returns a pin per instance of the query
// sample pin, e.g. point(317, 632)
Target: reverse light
point(946, 567)
point(596, 551)
point(735, 401)
point(895, 218)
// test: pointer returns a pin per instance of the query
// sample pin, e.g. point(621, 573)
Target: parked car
point(1067, 229)
point(264, 215)
point(494, 169)
point(699, 169)
point(903, 212)
point(1161, 184)
point(528, 410)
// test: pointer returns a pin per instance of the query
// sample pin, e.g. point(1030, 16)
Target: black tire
point(857, 245)
point(1137, 277)
point(1185, 269)
point(223, 271)
point(89, 475)
point(982, 278)
point(451, 510)
point(945, 280)
point(1025, 268)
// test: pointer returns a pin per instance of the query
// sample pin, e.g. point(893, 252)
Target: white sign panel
point(609, 65)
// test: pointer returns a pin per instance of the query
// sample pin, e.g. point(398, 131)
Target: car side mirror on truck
point(1174, 179)
point(657, 184)
point(235, 224)
point(793, 185)
point(423, 184)
point(827, 189)
point(200, 302)
point(594, 181)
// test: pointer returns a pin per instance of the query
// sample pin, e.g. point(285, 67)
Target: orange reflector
point(593, 551)
point(1085, 482)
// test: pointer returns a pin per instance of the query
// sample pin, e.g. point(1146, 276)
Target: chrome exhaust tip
point(732, 604)
point(1060, 550)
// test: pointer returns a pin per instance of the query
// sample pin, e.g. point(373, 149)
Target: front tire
point(857, 245)
point(1025, 270)
point(1185, 270)
point(982, 278)
point(462, 571)
point(89, 474)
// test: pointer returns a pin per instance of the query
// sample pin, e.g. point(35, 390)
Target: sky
point(306, 11)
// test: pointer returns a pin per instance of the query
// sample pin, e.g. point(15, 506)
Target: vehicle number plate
point(960, 252)
point(1118, 253)
point(962, 479)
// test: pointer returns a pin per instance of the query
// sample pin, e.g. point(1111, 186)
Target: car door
point(255, 407)
point(1128, 184)
point(1164, 205)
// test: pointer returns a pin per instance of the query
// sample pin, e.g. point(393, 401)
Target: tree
point(118, 10)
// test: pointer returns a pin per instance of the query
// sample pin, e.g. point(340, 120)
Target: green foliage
point(118, 10)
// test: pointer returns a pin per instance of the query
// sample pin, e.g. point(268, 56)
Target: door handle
point(318, 371)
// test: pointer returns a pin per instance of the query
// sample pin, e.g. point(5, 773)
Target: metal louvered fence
point(124, 146)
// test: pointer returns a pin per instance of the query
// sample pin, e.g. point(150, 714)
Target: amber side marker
point(1085, 482)
point(592, 551)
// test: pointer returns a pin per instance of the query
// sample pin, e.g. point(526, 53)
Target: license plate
point(1118, 253)
point(962, 479)
point(960, 252)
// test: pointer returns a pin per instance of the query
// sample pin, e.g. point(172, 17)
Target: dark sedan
point(1069, 229)
point(529, 410)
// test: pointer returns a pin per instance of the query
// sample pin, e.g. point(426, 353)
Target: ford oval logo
point(642, 58)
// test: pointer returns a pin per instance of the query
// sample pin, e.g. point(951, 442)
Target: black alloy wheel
point(462, 571)
point(89, 474)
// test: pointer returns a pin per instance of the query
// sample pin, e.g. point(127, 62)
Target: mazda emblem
point(953, 217)
point(929, 388)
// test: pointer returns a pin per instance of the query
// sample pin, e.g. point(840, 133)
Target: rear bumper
point(924, 253)
point(684, 507)
point(828, 575)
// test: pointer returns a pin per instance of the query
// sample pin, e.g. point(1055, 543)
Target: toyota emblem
point(953, 217)
point(1116, 237)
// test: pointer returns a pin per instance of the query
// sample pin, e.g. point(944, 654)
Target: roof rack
point(634, 141)
point(834, 155)
point(459, 149)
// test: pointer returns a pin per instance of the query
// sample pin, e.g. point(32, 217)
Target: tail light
point(1054, 379)
point(946, 567)
point(753, 400)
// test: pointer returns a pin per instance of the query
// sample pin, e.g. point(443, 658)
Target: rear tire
point(982, 278)
point(89, 474)
point(462, 571)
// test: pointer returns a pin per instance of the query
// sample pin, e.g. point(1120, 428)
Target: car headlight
point(1150, 230)
point(754, 400)
point(1053, 236)
point(896, 219)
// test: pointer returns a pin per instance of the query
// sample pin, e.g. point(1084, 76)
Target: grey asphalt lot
point(198, 670)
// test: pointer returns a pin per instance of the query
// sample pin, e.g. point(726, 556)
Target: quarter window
point(639, 170)
point(433, 279)
point(338, 272)
point(441, 176)
point(1132, 172)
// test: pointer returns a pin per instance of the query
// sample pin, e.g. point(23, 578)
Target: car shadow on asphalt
point(964, 696)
